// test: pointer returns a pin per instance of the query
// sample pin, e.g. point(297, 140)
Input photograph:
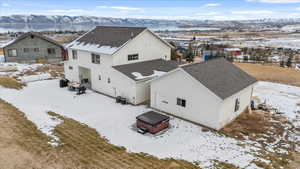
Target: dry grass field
point(22, 146)
point(272, 73)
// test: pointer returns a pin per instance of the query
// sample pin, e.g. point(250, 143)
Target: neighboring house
point(210, 93)
point(118, 61)
point(32, 48)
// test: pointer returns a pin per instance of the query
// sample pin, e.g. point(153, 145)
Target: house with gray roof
point(33, 47)
point(211, 93)
point(119, 61)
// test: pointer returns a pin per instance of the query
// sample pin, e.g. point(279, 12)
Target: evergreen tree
point(289, 62)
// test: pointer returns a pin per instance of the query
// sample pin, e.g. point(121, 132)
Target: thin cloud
point(211, 5)
point(5, 5)
point(66, 11)
point(275, 1)
point(122, 8)
point(253, 12)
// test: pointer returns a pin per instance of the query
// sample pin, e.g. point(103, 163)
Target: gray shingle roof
point(146, 68)
point(220, 76)
point(152, 118)
point(110, 35)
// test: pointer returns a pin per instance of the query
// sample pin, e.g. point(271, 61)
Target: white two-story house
point(118, 61)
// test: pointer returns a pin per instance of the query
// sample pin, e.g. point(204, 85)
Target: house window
point(25, 50)
point(36, 49)
point(181, 102)
point(74, 54)
point(95, 58)
point(70, 68)
point(99, 77)
point(237, 105)
point(133, 57)
point(12, 52)
point(51, 51)
point(108, 80)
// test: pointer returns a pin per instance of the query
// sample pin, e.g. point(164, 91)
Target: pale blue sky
point(157, 9)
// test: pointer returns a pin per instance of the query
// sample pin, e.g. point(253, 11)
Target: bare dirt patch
point(9, 82)
point(271, 133)
point(81, 147)
point(272, 73)
point(56, 71)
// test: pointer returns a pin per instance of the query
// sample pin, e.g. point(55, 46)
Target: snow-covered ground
point(283, 97)
point(115, 122)
point(1, 58)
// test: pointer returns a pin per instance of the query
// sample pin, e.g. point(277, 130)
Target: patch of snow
point(33, 78)
point(139, 76)
point(1, 58)
point(17, 68)
point(92, 48)
point(115, 122)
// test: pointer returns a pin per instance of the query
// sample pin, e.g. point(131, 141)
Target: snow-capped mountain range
point(92, 20)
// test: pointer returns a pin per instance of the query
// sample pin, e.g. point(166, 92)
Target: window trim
point(26, 50)
point(237, 104)
point(133, 57)
point(74, 54)
point(95, 58)
point(36, 50)
point(10, 53)
point(51, 51)
point(181, 102)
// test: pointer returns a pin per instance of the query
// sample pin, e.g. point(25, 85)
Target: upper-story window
point(95, 58)
point(51, 51)
point(133, 57)
point(74, 54)
point(12, 52)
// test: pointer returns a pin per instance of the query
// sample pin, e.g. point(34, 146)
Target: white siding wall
point(120, 85)
point(202, 106)
point(228, 105)
point(142, 92)
point(146, 45)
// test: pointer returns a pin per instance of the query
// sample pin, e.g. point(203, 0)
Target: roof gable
point(35, 35)
point(220, 76)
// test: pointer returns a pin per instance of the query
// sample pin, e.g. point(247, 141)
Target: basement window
point(12, 52)
point(74, 54)
point(237, 105)
point(70, 68)
point(95, 58)
point(133, 57)
point(181, 102)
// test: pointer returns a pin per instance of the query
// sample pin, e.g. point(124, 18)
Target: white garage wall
point(202, 106)
point(228, 106)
